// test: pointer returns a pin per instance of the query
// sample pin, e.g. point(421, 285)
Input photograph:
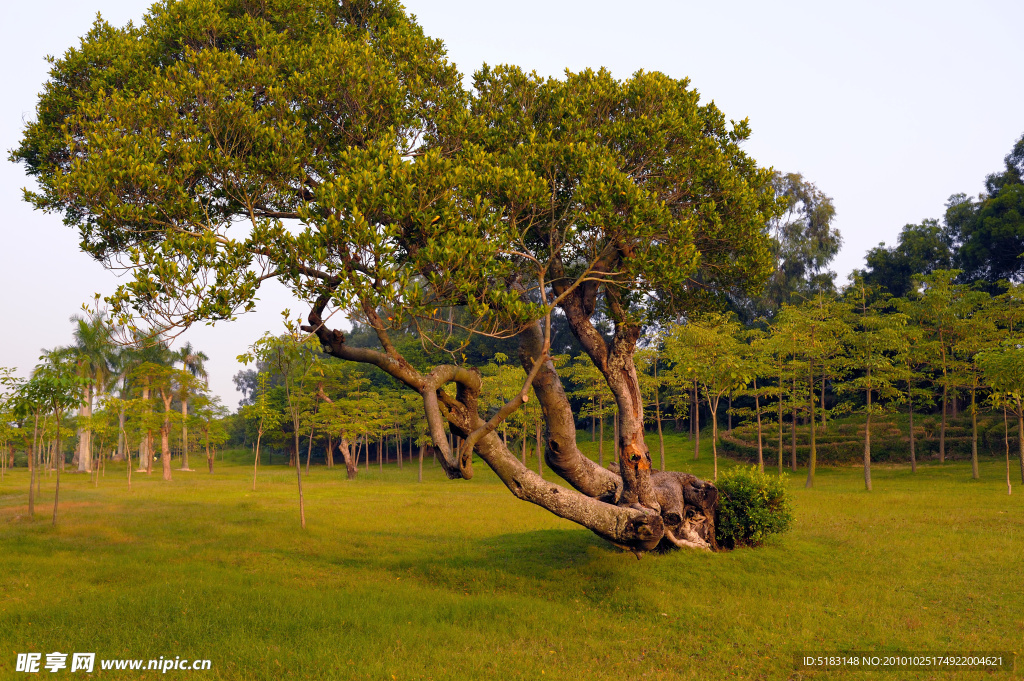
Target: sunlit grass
point(459, 580)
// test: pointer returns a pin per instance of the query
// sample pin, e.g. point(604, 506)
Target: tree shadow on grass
point(538, 554)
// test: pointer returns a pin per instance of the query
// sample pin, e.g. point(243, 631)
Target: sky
point(888, 107)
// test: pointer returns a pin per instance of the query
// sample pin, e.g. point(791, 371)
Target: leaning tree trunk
point(636, 510)
point(351, 462)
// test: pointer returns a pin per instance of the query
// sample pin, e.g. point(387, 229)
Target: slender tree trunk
point(33, 464)
point(696, 423)
point(523, 453)
point(780, 422)
point(56, 491)
point(165, 436)
point(1020, 440)
point(974, 432)
point(419, 472)
point(380, 454)
point(122, 438)
point(913, 456)
point(256, 459)
point(1006, 436)
point(942, 428)
point(398, 435)
point(600, 440)
point(694, 414)
point(713, 406)
point(793, 424)
point(298, 477)
point(867, 440)
point(812, 459)
point(757, 410)
point(209, 452)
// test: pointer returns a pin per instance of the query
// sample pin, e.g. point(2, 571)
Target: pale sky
point(889, 107)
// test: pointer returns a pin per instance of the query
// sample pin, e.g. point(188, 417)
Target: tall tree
point(1004, 371)
point(804, 243)
point(988, 233)
point(921, 249)
point(372, 183)
point(874, 349)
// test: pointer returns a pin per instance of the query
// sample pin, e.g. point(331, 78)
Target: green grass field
point(458, 580)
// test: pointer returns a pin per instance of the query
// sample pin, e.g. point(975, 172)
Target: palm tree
point(194, 362)
point(144, 349)
point(93, 353)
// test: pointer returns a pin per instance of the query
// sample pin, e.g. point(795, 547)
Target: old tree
point(330, 145)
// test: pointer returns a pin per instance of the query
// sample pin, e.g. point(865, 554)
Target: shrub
point(751, 506)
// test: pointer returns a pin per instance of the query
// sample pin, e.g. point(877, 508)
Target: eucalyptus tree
point(370, 182)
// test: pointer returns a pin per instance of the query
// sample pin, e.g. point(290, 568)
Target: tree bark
point(419, 472)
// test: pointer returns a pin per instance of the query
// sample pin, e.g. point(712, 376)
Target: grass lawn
point(458, 580)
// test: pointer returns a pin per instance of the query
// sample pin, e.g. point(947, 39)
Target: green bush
point(751, 506)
